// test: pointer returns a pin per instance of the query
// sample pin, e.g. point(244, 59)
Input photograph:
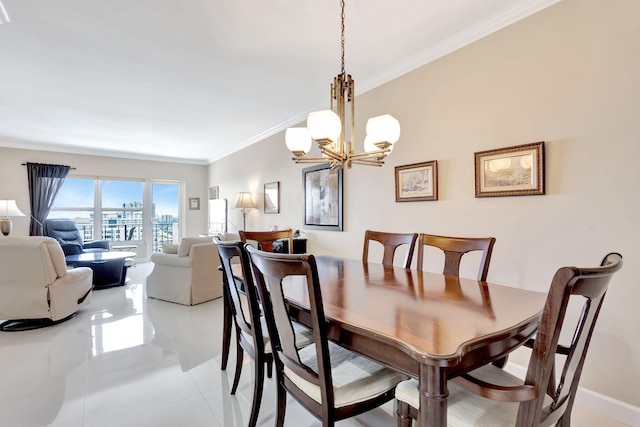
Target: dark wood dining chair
point(454, 248)
point(265, 239)
point(390, 241)
point(244, 308)
point(330, 381)
point(482, 393)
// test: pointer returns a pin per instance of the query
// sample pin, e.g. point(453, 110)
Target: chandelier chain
point(342, 34)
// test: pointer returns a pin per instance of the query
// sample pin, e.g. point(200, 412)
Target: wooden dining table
point(430, 326)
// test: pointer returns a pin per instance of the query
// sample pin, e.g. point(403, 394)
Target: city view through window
point(114, 210)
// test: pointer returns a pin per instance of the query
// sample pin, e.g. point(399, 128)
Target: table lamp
point(8, 208)
point(244, 202)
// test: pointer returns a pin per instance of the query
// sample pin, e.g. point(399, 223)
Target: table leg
point(433, 396)
point(226, 328)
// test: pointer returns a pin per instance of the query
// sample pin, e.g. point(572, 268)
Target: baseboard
point(597, 402)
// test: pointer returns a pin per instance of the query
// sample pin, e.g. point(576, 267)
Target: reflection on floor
point(131, 361)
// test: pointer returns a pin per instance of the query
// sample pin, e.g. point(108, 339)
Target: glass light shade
point(383, 128)
point(298, 140)
point(243, 201)
point(9, 208)
point(323, 125)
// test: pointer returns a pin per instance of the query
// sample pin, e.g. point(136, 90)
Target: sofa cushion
point(187, 242)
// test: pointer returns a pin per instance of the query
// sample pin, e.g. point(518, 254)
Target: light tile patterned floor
point(129, 361)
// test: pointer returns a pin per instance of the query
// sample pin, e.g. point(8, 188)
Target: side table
point(108, 267)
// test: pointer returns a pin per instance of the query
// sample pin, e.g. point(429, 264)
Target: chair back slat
point(454, 248)
point(390, 241)
point(569, 283)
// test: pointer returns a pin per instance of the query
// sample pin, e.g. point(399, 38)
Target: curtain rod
point(72, 168)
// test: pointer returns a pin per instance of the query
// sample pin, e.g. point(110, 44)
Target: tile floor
point(131, 361)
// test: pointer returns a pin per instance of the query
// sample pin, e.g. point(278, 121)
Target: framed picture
point(510, 171)
point(194, 203)
point(417, 182)
point(322, 187)
point(272, 197)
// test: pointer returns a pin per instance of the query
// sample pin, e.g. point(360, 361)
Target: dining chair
point(250, 326)
point(265, 239)
point(390, 241)
point(330, 381)
point(245, 312)
point(478, 398)
point(454, 248)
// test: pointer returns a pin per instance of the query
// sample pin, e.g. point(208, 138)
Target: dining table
point(430, 326)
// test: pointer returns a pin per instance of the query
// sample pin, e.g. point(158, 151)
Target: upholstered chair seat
point(355, 378)
point(468, 409)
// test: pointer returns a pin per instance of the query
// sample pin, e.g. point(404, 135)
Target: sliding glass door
point(142, 214)
point(165, 214)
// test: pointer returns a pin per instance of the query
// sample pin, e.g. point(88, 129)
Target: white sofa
point(188, 277)
point(35, 282)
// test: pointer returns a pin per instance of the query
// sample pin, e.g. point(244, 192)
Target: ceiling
point(193, 81)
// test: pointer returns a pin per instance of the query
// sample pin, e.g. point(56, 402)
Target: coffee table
point(108, 266)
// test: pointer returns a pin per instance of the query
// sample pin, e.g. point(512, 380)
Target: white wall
point(14, 182)
point(568, 76)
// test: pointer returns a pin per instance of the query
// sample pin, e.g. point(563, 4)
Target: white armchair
point(189, 276)
point(36, 289)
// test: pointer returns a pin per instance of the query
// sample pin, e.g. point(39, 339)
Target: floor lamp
point(8, 208)
point(244, 202)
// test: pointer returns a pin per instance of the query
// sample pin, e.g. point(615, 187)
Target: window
point(122, 209)
point(76, 200)
point(166, 206)
point(115, 210)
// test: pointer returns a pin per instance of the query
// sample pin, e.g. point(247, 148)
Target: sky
point(79, 193)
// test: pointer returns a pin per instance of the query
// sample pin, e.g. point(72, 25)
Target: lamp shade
point(298, 140)
point(383, 128)
point(324, 125)
point(9, 208)
point(243, 201)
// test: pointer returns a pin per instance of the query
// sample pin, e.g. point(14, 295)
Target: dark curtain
point(44, 183)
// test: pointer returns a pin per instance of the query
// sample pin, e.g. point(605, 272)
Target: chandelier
point(327, 128)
